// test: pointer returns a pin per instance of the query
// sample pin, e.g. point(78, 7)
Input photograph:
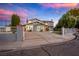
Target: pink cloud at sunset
point(22, 12)
point(59, 5)
point(4, 17)
point(6, 12)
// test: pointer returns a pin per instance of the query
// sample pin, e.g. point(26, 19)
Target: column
point(19, 33)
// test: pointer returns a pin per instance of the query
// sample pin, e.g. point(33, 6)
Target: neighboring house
point(39, 25)
point(5, 28)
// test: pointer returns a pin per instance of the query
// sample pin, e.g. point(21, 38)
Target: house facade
point(5, 28)
point(39, 25)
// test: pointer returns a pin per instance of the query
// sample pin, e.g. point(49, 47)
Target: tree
point(77, 24)
point(15, 20)
point(69, 19)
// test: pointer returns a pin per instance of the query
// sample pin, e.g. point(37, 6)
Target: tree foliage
point(15, 20)
point(67, 21)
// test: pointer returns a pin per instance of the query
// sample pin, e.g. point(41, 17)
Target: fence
point(69, 30)
point(6, 34)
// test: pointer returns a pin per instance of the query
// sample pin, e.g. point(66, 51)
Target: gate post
point(23, 30)
point(63, 31)
point(20, 34)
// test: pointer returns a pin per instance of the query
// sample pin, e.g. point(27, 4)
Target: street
point(70, 48)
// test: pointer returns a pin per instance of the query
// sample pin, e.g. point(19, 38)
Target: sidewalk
point(41, 39)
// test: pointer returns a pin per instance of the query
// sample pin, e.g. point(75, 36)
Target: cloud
point(59, 5)
point(6, 12)
point(23, 13)
point(10, 4)
point(4, 17)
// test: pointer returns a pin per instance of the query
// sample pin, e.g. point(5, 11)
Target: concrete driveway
point(36, 39)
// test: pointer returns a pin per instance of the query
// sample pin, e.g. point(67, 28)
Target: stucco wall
point(69, 30)
point(7, 36)
point(8, 29)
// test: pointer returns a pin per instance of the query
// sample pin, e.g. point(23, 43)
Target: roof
point(48, 21)
point(35, 22)
point(39, 20)
point(34, 19)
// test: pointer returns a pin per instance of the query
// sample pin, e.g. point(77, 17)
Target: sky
point(42, 11)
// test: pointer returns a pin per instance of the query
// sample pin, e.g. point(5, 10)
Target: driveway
point(35, 39)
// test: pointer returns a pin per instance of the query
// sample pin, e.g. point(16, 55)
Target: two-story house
point(39, 25)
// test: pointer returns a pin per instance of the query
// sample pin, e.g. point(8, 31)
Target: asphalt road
point(70, 48)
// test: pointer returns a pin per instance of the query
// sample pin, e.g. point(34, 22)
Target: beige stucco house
point(39, 25)
point(5, 28)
